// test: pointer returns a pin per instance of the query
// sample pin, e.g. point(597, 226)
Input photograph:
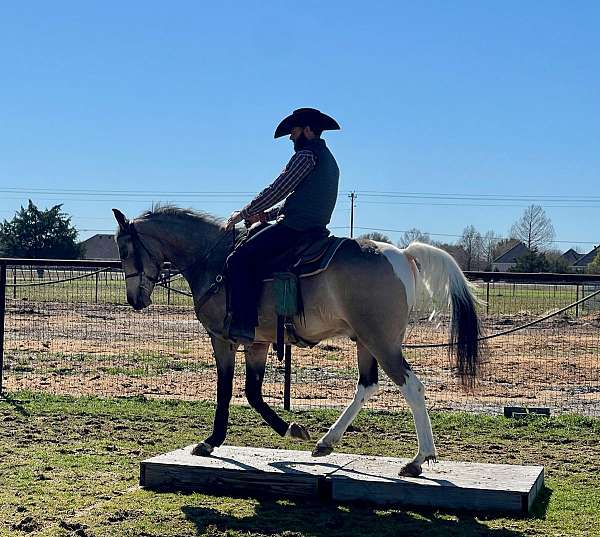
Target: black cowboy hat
point(305, 117)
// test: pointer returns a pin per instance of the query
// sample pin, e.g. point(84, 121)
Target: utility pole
point(352, 197)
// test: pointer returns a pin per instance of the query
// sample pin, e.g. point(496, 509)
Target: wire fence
point(67, 329)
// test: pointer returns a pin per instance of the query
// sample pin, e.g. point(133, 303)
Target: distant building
point(582, 263)
point(100, 246)
point(571, 257)
point(509, 258)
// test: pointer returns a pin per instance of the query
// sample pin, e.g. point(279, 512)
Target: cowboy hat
point(305, 117)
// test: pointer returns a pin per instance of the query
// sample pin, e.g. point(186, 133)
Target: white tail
point(446, 284)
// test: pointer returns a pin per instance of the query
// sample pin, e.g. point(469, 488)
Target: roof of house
point(100, 246)
point(512, 254)
point(585, 260)
point(571, 256)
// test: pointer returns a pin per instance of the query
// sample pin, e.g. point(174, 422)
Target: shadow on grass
point(18, 405)
point(326, 519)
point(540, 506)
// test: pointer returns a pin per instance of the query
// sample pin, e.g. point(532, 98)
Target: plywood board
point(345, 477)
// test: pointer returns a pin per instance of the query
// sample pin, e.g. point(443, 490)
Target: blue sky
point(452, 113)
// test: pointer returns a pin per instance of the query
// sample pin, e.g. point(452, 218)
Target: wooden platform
point(345, 477)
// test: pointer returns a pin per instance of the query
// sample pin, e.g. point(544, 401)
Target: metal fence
point(65, 328)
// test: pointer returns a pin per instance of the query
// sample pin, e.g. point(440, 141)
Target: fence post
point(97, 276)
point(2, 315)
point(287, 378)
point(169, 284)
point(15, 282)
point(576, 299)
point(487, 298)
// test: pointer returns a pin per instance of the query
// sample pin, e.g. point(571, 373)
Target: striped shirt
point(299, 166)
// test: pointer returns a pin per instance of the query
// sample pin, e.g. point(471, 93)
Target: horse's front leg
point(256, 358)
point(225, 357)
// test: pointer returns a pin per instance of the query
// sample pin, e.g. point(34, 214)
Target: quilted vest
point(313, 200)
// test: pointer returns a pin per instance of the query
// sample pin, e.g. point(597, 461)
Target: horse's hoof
point(412, 469)
point(298, 431)
point(202, 450)
point(322, 450)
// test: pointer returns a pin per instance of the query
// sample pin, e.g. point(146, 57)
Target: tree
point(490, 243)
point(534, 229)
point(413, 235)
point(594, 266)
point(531, 262)
point(36, 233)
point(456, 251)
point(376, 236)
point(557, 263)
point(472, 243)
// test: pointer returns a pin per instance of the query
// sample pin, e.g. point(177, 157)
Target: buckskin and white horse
point(366, 294)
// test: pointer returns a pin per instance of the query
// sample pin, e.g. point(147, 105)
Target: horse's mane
point(160, 210)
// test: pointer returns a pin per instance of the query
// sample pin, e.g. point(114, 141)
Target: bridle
point(137, 258)
point(132, 232)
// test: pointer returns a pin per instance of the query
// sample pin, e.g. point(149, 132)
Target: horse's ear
point(123, 222)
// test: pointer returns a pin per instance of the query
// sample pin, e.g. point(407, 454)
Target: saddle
point(311, 255)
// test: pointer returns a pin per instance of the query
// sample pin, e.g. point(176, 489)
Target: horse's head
point(141, 262)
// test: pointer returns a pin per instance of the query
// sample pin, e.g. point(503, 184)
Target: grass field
point(69, 467)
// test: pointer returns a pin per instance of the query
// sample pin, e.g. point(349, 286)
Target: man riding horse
point(309, 185)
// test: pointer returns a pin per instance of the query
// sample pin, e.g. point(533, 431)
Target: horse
point(366, 294)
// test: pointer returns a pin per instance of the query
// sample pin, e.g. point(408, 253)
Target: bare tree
point(490, 242)
point(534, 229)
point(472, 243)
point(376, 236)
point(413, 235)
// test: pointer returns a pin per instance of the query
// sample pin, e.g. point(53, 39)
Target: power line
point(135, 193)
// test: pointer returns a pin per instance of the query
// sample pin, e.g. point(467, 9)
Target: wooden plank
point(345, 477)
point(445, 484)
point(277, 472)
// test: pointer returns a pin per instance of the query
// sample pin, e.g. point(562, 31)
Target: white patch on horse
point(414, 393)
point(401, 265)
point(336, 431)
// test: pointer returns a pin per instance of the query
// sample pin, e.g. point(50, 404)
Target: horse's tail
point(447, 285)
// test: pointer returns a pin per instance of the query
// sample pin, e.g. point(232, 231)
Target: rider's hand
point(235, 218)
point(260, 217)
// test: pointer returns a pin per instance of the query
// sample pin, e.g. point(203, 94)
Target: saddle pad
point(311, 264)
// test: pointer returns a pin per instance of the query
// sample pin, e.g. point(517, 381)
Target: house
point(100, 246)
point(582, 263)
point(509, 258)
point(571, 257)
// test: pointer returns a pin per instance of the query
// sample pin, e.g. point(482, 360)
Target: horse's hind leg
point(256, 358)
point(365, 388)
point(413, 391)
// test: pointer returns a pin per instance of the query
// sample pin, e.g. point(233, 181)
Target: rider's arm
point(299, 166)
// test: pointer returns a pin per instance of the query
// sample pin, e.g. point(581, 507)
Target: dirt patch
point(103, 349)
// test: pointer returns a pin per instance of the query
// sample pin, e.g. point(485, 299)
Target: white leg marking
point(361, 396)
point(414, 393)
point(402, 269)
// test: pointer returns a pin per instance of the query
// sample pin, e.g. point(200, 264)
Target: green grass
point(69, 466)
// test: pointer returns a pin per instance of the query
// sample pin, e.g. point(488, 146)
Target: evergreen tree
point(531, 262)
point(38, 234)
point(594, 266)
